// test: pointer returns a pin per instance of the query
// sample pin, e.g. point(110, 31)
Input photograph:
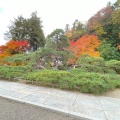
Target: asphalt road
point(12, 110)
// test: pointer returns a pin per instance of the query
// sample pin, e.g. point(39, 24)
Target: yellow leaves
point(116, 17)
point(119, 35)
point(68, 33)
point(99, 29)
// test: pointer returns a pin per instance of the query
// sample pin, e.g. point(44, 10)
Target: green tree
point(116, 13)
point(106, 24)
point(78, 29)
point(17, 29)
point(67, 28)
point(36, 36)
point(111, 30)
point(58, 38)
point(27, 29)
point(108, 52)
point(56, 49)
point(112, 34)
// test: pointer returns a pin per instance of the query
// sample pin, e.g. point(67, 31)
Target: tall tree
point(116, 13)
point(108, 52)
point(110, 48)
point(36, 36)
point(77, 30)
point(105, 23)
point(102, 17)
point(27, 29)
point(59, 38)
point(67, 28)
point(17, 29)
point(56, 49)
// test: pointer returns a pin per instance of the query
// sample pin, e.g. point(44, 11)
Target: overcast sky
point(53, 13)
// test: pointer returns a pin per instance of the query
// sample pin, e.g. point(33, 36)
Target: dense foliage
point(105, 24)
point(87, 44)
point(93, 75)
point(29, 29)
point(85, 57)
point(13, 47)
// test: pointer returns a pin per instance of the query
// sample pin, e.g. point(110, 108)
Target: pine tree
point(29, 29)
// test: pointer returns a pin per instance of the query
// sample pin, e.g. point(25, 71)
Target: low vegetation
point(92, 75)
point(84, 57)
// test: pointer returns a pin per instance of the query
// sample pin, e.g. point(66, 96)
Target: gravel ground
point(113, 93)
point(12, 110)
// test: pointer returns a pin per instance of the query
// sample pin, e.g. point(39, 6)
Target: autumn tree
point(77, 30)
point(105, 24)
point(112, 29)
point(116, 13)
point(99, 21)
point(13, 47)
point(116, 21)
point(102, 17)
point(29, 29)
point(87, 44)
point(112, 36)
point(3, 52)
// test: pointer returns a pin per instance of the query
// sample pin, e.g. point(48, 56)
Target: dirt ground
point(114, 93)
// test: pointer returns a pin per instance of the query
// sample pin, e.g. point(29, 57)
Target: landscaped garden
point(92, 75)
point(84, 58)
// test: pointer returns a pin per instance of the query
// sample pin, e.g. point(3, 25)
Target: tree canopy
point(29, 29)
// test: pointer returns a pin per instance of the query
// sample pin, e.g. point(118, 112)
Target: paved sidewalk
point(76, 104)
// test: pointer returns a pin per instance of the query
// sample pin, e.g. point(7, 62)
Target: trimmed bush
point(75, 79)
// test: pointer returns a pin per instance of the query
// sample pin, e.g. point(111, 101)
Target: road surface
point(12, 110)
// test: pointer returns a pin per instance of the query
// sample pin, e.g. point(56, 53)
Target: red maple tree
point(87, 44)
point(13, 47)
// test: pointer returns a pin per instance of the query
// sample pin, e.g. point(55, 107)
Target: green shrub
point(11, 72)
point(86, 59)
point(114, 65)
point(94, 75)
point(75, 79)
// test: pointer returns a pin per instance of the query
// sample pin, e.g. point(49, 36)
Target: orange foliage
point(13, 47)
point(68, 33)
point(118, 47)
point(17, 46)
point(87, 44)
